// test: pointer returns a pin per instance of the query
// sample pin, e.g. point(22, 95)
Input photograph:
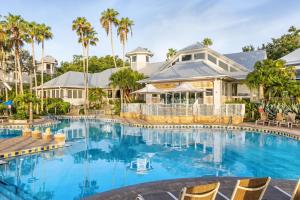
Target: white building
point(49, 67)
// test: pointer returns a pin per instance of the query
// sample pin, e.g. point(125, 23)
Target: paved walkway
point(157, 190)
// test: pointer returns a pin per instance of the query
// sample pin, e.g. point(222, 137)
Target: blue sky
point(162, 24)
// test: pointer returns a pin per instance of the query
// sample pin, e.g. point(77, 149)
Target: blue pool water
point(105, 156)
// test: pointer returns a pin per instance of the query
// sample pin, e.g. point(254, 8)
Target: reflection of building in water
point(76, 130)
point(208, 141)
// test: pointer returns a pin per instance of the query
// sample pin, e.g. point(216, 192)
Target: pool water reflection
point(105, 156)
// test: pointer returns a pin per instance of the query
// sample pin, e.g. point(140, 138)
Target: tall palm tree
point(125, 26)
point(44, 33)
point(107, 20)
point(171, 52)
point(81, 25)
point(17, 30)
point(89, 39)
point(207, 42)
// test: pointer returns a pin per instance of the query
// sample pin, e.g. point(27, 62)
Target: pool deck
point(22, 145)
point(157, 190)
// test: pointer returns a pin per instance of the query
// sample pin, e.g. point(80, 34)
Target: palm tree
point(171, 52)
point(44, 33)
point(17, 30)
point(207, 42)
point(107, 20)
point(81, 25)
point(125, 26)
point(89, 38)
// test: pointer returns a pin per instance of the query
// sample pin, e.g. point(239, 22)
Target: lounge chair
point(291, 120)
point(199, 192)
point(279, 119)
point(253, 189)
point(296, 192)
point(263, 119)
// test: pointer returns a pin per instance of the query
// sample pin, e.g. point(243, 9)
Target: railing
point(184, 109)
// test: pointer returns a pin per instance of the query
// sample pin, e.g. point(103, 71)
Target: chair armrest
point(282, 191)
point(223, 195)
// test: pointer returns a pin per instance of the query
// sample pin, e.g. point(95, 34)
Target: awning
point(185, 87)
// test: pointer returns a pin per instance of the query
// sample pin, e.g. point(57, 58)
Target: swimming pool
point(114, 155)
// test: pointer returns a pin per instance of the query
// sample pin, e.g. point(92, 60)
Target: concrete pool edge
point(157, 189)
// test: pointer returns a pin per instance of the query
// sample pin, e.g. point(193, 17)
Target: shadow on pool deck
point(157, 190)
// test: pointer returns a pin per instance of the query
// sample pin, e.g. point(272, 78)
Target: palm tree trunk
point(112, 44)
point(42, 78)
point(84, 76)
point(19, 70)
point(16, 75)
point(30, 104)
point(87, 71)
point(123, 54)
point(35, 76)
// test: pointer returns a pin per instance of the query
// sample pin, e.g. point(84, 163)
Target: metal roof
point(292, 58)
point(247, 59)
point(152, 68)
point(76, 79)
point(140, 50)
point(194, 46)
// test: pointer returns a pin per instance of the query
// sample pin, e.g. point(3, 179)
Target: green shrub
point(56, 106)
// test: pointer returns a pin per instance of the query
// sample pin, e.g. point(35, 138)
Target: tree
point(126, 80)
point(16, 27)
point(171, 52)
point(207, 42)
point(44, 33)
point(96, 97)
point(81, 26)
point(248, 48)
point(283, 45)
point(274, 77)
point(125, 27)
point(107, 20)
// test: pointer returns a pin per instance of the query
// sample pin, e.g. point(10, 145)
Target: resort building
point(70, 86)
point(196, 74)
point(49, 66)
point(293, 59)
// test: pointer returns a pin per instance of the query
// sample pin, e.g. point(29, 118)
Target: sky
point(161, 24)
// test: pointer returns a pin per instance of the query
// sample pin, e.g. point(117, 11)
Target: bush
point(56, 106)
point(21, 114)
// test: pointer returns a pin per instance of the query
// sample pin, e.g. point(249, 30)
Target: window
point(53, 94)
point(75, 94)
point(45, 94)
point(133, 58)
point(233, 69)
point(234, 89)
point(192, 97)
point(48, 66)
point(223, 65)
point(212, 58)
point(186, 57)
point(70, 94)
point(80, 94)
point(183, 97)
point(56, 93)
point(209, 92)
point(109, 93)
point(48, 93)
point(61, 93)
point(147, 58)
point(198, 56)
point(225, 89)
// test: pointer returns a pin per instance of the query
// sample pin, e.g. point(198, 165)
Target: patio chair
point(279, 119)
point(199, 192)
point(263, 119)
point(253, 189)
point(296, 192)
point(291, 120)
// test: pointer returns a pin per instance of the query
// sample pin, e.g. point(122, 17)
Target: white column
point(217, 95)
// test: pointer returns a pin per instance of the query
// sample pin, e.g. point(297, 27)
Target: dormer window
point(198, 56)
point(133, 58)
point(212, 59)
point(223, 65)
point(147, 58)
point(186, 57)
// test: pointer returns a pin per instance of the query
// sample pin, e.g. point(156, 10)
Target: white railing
point(184, 109)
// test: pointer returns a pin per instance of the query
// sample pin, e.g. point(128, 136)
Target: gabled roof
point(140, 50)
point(49, 59)
point(247, 59)
point(292, 58)
point(185, 70)
point(73, 79)
point(194, 46)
